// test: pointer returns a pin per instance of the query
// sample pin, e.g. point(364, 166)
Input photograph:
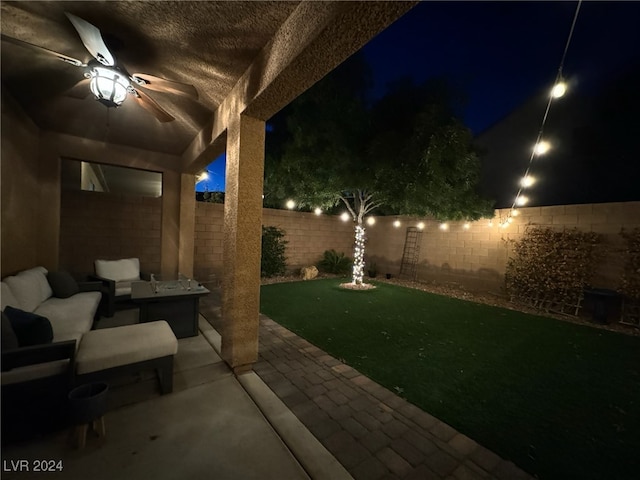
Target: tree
point(404, 154)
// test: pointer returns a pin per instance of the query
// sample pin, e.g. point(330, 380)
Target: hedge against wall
point(549, 269)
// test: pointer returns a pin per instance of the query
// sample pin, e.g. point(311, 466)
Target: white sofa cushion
point(70, 317)
point(126, 269)
point(113, 347)
point(7, 297)
point(30, 288)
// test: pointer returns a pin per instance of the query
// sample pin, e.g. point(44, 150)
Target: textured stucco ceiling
point(206, 44)
point(253, 56)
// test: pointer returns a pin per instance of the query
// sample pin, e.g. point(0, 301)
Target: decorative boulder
point(307, 273)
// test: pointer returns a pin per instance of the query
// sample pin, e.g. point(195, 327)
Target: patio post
point(242, 241)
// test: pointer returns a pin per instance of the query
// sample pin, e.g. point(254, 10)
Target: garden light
point(291, 204)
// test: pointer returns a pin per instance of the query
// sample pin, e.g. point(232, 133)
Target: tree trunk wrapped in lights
point(362, 204)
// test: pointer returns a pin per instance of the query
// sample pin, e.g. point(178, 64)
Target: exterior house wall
point(96, 225)
point(477, 257)
point(20, 190)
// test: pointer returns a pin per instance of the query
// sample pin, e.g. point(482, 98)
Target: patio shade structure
point(247, 60)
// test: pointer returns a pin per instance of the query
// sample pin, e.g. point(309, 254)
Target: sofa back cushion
point(30, 288)
point(118, 270)
point(63, 284)
point(7, 297)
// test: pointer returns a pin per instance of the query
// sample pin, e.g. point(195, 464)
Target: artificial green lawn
point(560, 400)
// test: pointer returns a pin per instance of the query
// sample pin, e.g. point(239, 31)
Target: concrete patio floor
point(209, 427)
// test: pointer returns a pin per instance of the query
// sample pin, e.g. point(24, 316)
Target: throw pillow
point(30, 329)
point(62, 284)
point(9, 339)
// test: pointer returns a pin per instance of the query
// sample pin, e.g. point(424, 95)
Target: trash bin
point(604, 302)
point(88, 402)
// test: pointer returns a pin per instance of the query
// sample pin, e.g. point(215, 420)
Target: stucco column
point(242, 242)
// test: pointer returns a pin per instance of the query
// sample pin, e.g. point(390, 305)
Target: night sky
point(500, 54)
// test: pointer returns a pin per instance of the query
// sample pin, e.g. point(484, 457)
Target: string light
point(358, 257)
point(541, 146)
point(444, 226)
point(420, 226)
point(559, 89)
point(397, 224)
point(291, 204)
point(466, 226)
point(345, 217)
point(527, 181)
point(371, 220)
point(318, 211)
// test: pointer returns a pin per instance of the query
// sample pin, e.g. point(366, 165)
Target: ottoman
point(113, 351)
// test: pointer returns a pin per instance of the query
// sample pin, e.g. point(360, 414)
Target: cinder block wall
point(476, 256)
point(100, 225)
point(308, 236)
point(96, 225)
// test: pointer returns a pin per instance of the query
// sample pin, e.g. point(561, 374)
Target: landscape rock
point(308, 273)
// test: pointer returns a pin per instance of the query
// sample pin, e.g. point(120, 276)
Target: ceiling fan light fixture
point(109, 86)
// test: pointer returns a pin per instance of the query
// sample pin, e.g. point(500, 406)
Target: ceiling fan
point(109, 81)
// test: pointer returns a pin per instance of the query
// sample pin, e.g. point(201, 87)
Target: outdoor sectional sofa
point(64, 350)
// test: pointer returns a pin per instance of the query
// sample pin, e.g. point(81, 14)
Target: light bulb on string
point(291, 204)
point(420, 226)
point(527, 181)
point(318, 211)
point(559, 89)
point(521, 200)
point(541, 147)
point(397, 224)
point(345, 217)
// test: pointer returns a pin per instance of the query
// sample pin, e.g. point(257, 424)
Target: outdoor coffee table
point(175, 301)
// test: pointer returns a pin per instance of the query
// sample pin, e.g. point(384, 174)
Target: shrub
point(631, 275)
point(273, 261)
point(549, 269)
point(334, 262)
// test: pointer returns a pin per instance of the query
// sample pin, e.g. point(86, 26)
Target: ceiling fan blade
point(92, 40)
point(59, 56)
point(150, 105)
point(163, 85)
point(80, 90)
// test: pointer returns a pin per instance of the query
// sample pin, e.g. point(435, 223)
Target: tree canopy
point(406, 153)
